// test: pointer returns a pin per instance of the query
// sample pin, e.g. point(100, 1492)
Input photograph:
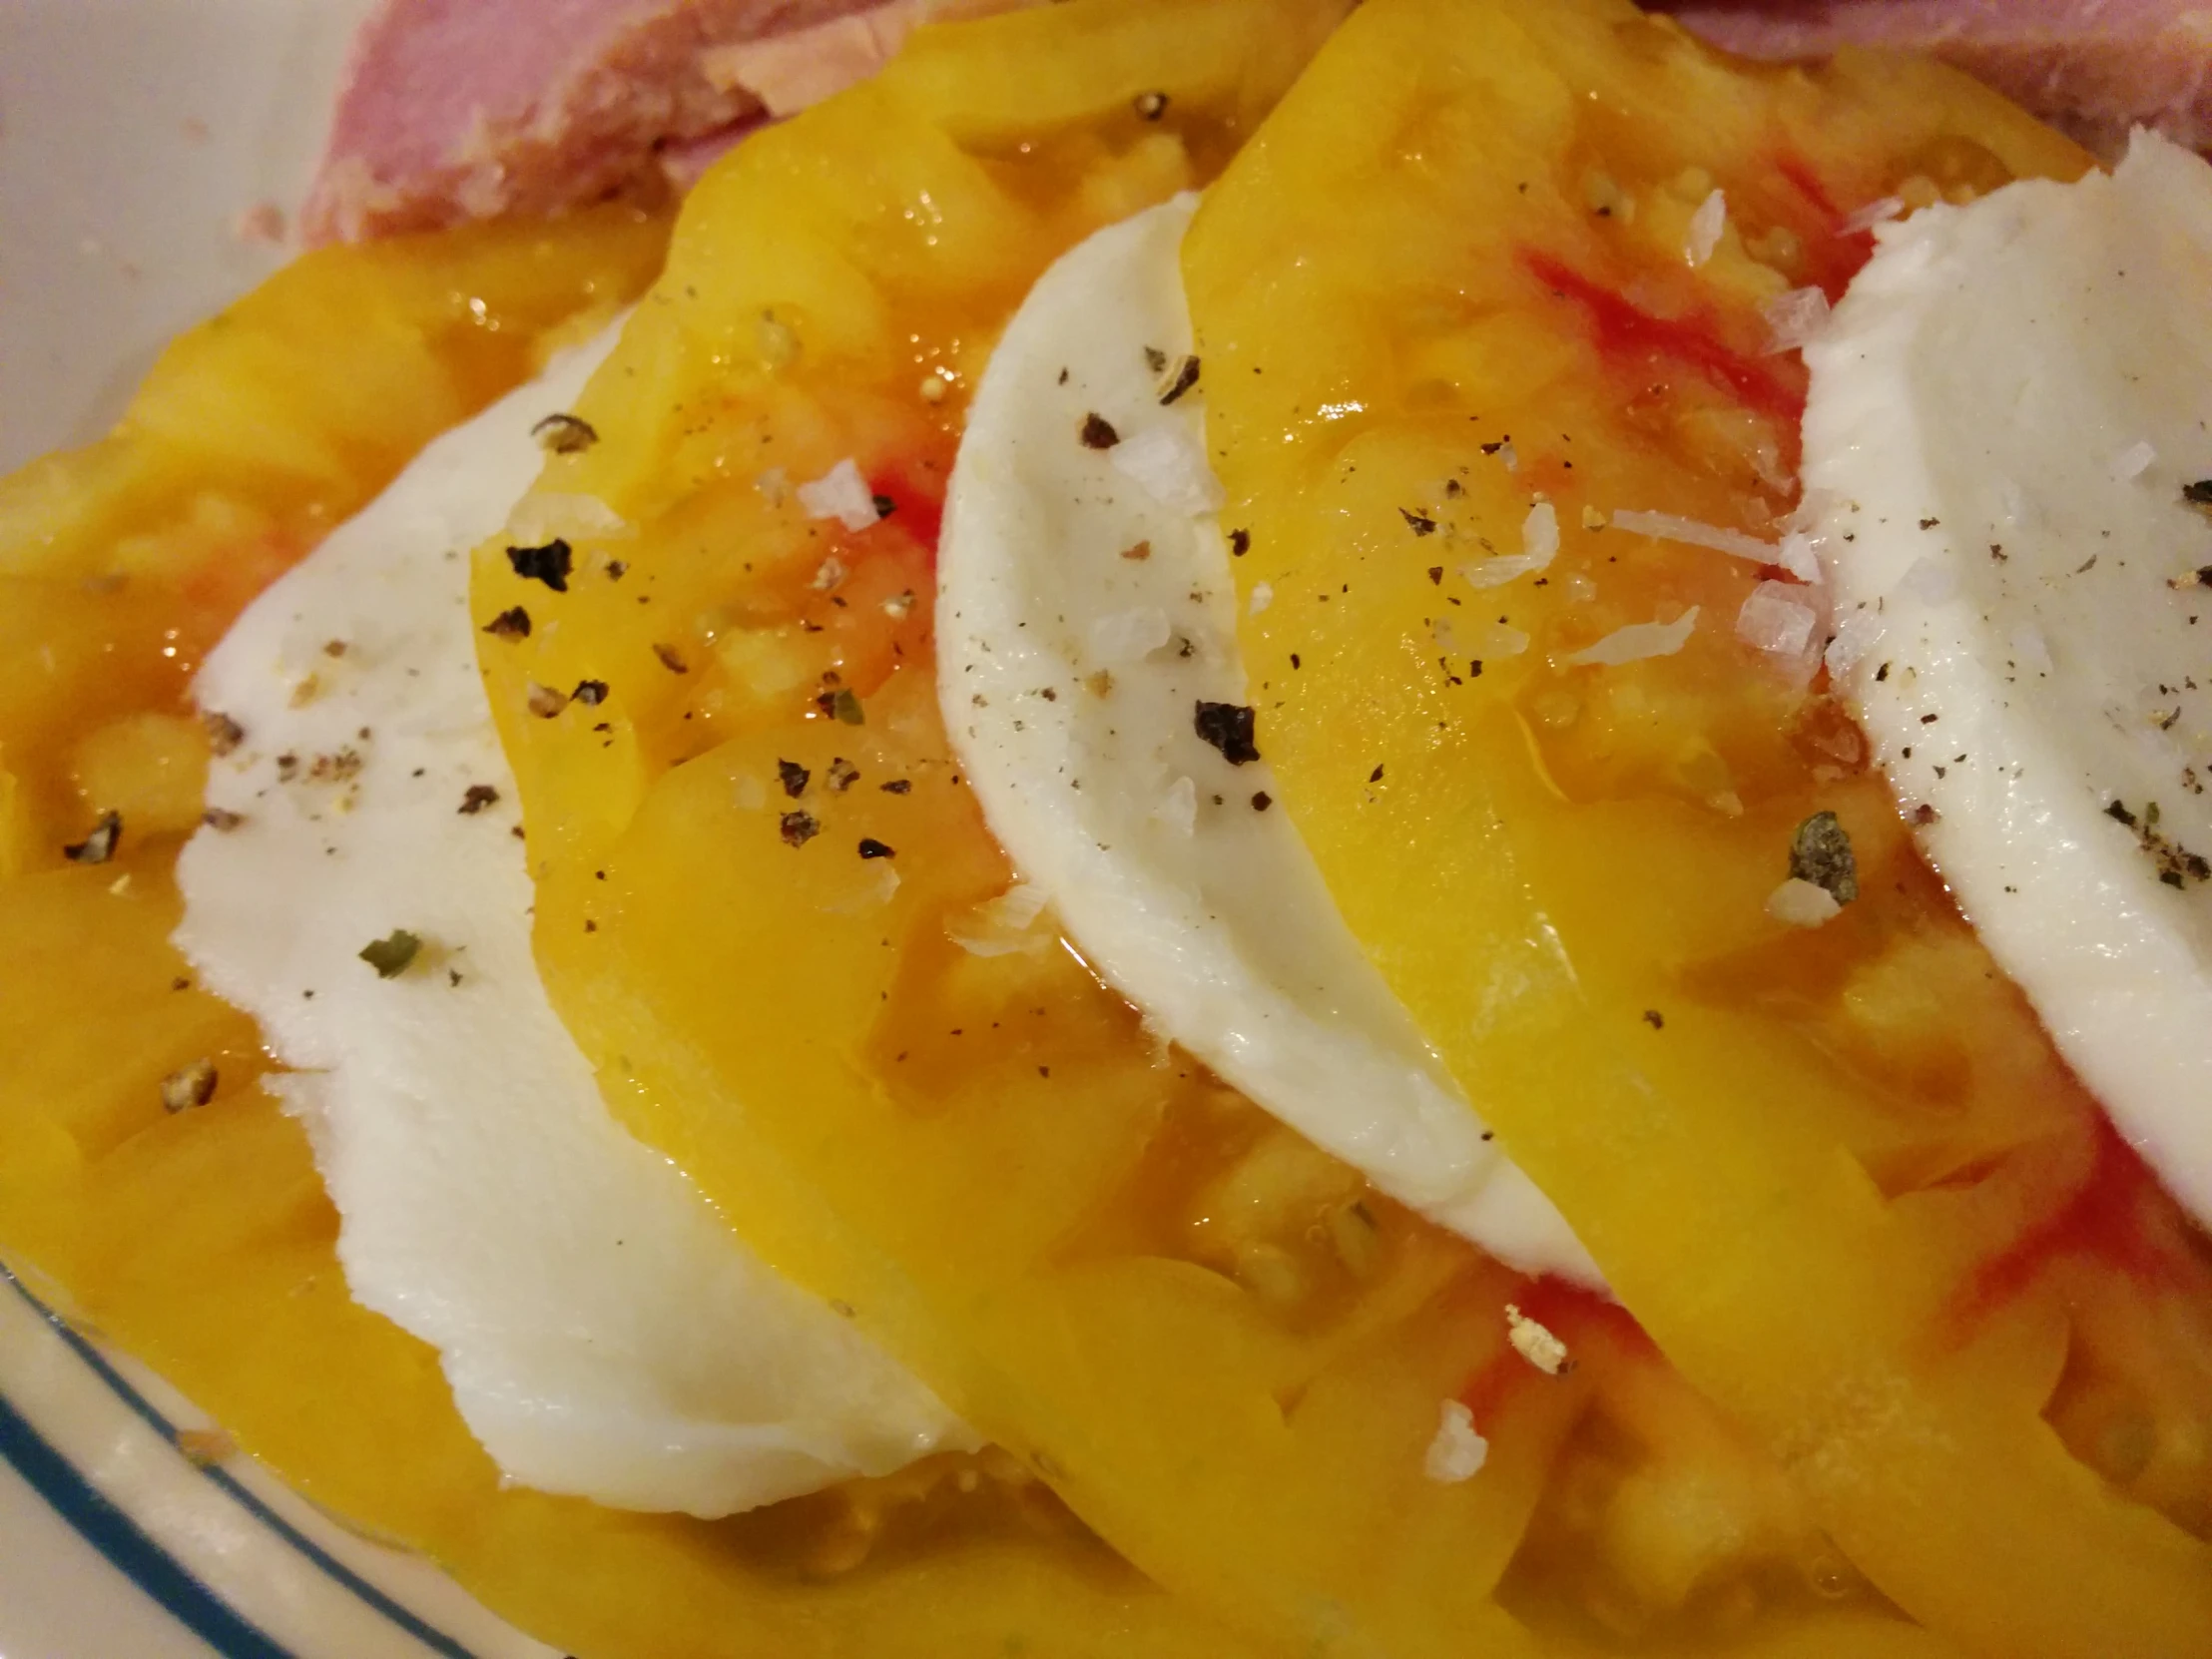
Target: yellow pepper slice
point(1454, 282)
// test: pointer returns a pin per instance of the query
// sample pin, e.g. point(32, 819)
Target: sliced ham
point(2095, 68)
point(453, 110)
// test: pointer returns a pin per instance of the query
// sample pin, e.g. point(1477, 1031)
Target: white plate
point(133, 136)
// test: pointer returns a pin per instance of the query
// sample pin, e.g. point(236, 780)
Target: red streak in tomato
point(1800, 172)
point(915, 490)
point(2111, 1218)
point(1626, 335)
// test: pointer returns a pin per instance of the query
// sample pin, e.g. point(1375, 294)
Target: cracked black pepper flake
point(1929, 523)
point(548, 564)
point(1097, 432)
point(884, 506)
point(189, 1086)
point(511, 624)
point(1655, 1020)
point(1155, 360)
point(897, 786)
point(545, 702)
point(476, 797)
point(2198, 494)
point(1239, 542)
point(1925, 813)
point(590, 693)
point(390, 955)
point(224, 733)
point(1229, 728)
point(1261, 801)
point(671, 659)
point(871, 848)
point(1820, 853)
point(1150, 105)
point(564, 434)
point(842, 775)
point(1419, 523)
point(798, 828)
point(1435, 576)
point(218, 817)
point(2177, 865)
point(617, 569)
point(792, 776)
point(1375, 777)
point(99, 847)
point(1186, 376)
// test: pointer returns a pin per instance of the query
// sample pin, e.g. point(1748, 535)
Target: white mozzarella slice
point(2005, 411)
point(1085, 608)
point(603, 1330)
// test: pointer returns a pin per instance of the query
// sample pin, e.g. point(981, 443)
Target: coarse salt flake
point(1795, 318)
point(1263, 595)
point(1638, 641)
point(1801, 903)
point(1458, 1452)
point(1706, 225)
point(1168, 462)
point(1931, 581)
point(1799, 554)
point(842, 494)
point(1122, 637)
point(1000, 926)
point(1535, 1343)
point(1775, 620)
point(1878, 212)
point(2134, 460)
point(1178, 808)
point(545, 516)
point(1673, 527)
point(1856, 635)
point(2030, 651)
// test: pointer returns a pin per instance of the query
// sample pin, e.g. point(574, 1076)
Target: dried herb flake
point(1820, 853)
point(390, 955)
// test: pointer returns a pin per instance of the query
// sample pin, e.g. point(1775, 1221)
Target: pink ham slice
point(2092, 67)
point(455, 110)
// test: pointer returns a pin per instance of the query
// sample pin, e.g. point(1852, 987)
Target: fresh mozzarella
point(2006, 411)
point(604, 1333)
point(1085, 610)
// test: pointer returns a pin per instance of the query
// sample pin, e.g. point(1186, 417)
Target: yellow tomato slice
point(202, 1240)
point(975, 1154)
point(755, 860)
point(1839, 1175)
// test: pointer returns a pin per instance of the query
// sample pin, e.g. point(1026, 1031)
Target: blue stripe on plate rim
point(115, 1535)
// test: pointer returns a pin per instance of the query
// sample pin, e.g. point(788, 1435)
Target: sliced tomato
point(1456, 277)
